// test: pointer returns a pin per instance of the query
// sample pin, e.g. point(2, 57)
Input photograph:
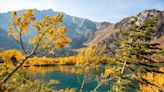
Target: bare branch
point(102, 83)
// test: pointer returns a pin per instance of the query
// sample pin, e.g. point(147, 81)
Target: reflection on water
point(69, 77)
point(45, 70)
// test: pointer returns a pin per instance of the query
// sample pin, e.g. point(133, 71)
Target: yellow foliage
point(161, 69)
point(8, 64)
point(51, 61)
point(157, 79)
point(8, 54)
point(109, 70)
point(45, 70)
point(92, 54)
point(50, 33)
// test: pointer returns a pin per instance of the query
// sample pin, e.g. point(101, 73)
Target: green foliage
point(134, 58)
point(135, 52)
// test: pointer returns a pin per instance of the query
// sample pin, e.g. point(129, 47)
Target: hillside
point(111, 34)
point(6, 42)
point(79, 29)
point(84, 32)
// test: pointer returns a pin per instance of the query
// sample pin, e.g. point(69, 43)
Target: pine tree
point(134, 55)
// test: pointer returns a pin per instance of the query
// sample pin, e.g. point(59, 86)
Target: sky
point(95, 10)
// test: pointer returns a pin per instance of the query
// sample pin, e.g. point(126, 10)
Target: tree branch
point(20, 38)
point(34, 50)
point(101, 83)
point(15, 69)
point(83, 83)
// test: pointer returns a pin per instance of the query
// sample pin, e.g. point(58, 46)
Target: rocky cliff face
point(111, 34)
point(146, 15)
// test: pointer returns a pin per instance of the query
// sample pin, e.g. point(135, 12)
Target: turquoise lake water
point(69, 79)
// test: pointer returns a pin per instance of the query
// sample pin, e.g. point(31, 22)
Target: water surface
point(69, 77)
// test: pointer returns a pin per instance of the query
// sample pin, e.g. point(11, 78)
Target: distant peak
point(149, 13)
point(146, 15)
point(48, 10)
point(151, 10)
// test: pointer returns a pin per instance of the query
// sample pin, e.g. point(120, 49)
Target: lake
point(68, 76)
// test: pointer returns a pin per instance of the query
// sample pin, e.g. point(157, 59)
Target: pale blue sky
point(96, 10)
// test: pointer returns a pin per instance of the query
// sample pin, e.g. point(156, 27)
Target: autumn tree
point(89, 59)
point(50, 35)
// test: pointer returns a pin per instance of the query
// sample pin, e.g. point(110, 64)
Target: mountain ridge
point(122, 26)
point(85, 32)
point(78, 29)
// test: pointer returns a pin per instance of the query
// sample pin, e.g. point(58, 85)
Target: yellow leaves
point(14, 79)
point(161, 69)
point(90, 56)
point(62, 30)
point(47, 19)
point(10, 31)
point(67, 40)
point(7, 55)
point(61, 42)
point(48, 28)
point(86, 51)
point(149, 88)
point(37, 26)
point(49, 32)
point(109, 71)
point(58, 18)
point(52, 61)
point(58, 37)
point(58, 44)
point(52, 34)
point(34, 40)
point(20, 24)
point(29, 15)
point(18, 20)
point(157, 79)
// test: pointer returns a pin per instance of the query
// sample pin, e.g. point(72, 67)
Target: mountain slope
point(111, 34)
point(7, 42)
point(79, 29)
point(84, 32)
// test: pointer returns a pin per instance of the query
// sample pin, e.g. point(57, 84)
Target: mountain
point(84, 32)
point(79, 30)
point(7, 42)
point(111, 34)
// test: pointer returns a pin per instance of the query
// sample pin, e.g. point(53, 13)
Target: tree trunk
point(123, 68)
point(99, 85)
point(83, 83)
point(6, 78)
